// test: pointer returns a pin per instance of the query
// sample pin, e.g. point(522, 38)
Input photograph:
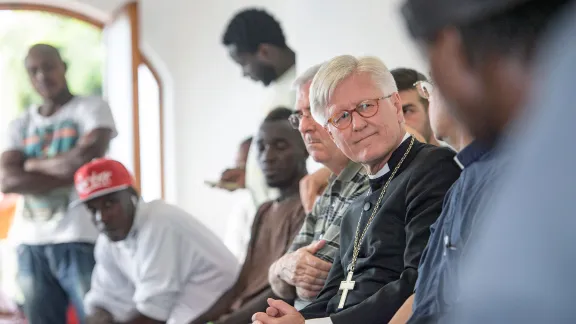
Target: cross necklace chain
point(348, 285)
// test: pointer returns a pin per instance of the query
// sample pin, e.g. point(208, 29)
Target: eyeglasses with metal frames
point(297, 117)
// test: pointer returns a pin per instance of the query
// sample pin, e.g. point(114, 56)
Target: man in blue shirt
point(483, 68)
point(522, 261)
point(451, 230)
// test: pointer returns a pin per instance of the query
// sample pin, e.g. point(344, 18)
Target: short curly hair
point(279, 114)
point(250, 28)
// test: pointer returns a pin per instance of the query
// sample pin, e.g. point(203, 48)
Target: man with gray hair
point(301, 273)
point(383, 234)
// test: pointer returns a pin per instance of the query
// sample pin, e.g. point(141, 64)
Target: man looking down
point(154, 262)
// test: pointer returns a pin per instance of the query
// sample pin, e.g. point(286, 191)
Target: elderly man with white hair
point(302, 272)
point(383, 233)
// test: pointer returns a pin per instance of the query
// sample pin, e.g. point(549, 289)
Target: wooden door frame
point(140, 59)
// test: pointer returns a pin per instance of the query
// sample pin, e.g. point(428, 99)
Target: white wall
point(322, 29)
point(209, 94)
point(209, 106)
point(213, 104)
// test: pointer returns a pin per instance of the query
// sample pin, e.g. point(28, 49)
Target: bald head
point(46, 70)
point(44, 50)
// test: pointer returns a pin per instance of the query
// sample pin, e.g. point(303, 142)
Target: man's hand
point(311, 186)
point(305, 271)
point(14, 179)
point(279, 312)
point(236, 176)
point(30, 165)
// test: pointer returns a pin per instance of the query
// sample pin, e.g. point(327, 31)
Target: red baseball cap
point(100, 177)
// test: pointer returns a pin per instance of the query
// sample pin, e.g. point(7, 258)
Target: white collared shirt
point(385, 169)
point(170, 268)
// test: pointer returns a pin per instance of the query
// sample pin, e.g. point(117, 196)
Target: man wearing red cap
point(154, 262)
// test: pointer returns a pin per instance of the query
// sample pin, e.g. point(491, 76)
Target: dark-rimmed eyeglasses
point(366, 109)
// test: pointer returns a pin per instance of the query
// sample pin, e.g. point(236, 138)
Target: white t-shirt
point(170, 268)
point(46, 218)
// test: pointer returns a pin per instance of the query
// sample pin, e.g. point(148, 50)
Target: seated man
point(472, 62)
point(471, 159)
point(301, 273)
point(414, 106)
point(282, 157)
point(239, 222)
point(382, 235)
point(154, 262)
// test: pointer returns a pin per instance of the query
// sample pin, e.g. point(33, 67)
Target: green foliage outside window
point(79, 43)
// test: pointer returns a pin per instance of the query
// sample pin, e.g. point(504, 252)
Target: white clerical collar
point(380, 173)
point(385, 169)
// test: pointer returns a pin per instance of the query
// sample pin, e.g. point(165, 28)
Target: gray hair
point(307, 76)
point(333, 72)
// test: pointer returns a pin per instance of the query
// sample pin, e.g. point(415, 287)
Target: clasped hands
point(278, 312)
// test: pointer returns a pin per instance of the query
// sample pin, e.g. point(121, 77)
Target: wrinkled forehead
point(303, 97)
point(352, 91)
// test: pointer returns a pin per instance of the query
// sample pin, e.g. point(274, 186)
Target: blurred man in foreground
point(481, 55)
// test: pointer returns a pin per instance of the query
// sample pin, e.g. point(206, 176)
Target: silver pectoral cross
point(346, 286)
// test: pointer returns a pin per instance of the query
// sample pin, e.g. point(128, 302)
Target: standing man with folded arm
point(48, 143)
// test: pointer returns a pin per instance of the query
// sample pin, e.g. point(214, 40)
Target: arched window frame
point(23, 6)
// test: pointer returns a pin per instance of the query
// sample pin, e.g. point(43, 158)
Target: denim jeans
point(52, 277)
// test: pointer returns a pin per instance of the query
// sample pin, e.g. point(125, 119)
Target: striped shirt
point(323, 222)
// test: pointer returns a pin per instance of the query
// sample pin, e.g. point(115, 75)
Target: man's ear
point(397, 102)
point(263, 53)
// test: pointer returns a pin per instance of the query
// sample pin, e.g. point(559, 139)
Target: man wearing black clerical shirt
point(383, 233)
